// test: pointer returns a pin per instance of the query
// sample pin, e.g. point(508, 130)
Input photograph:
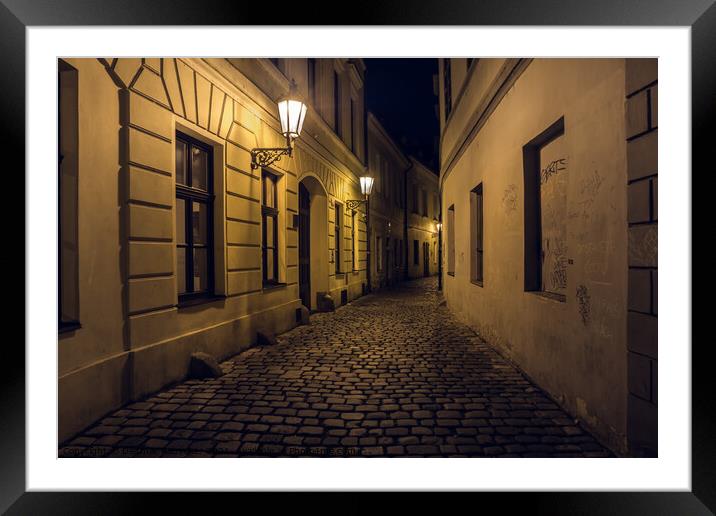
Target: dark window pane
point(447, 87)
point(181, 221)
point(269, 191)
point(337, 104)
point(478, 266)
point(199, 223)
point(181, 269)
point(201, 271)
point(181, 163)
point(270, 265)
point(338, 234)
point(270, 225)
point(199, 169)
point(193, 218)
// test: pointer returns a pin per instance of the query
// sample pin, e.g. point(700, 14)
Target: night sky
point(399, 93)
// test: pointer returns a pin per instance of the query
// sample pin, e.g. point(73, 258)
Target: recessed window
point(352, 133)
point(416, 252)
point(546, 179)
point(194, 215)
point(447, 87)
point(337, 104)
point(476, 234)
point(338, 237)
point(416, 206)
point(451, 240)
point(425, 203)
point(67, 231)
point(354, 246)
point(269, 227)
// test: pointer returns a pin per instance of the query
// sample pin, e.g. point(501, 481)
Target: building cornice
point(354, 75)
point(317, 135)
point(375, 125)
point(506, 77)
point(423, 170)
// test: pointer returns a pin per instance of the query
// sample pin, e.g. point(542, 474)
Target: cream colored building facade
point(423, 215)
point(537, 158)
point(154, 265)
point(388, 166)
point(404, 212)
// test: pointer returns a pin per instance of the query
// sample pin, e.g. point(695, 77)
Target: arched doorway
point(312, 240)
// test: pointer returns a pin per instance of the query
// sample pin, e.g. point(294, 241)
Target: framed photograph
point(418, 252)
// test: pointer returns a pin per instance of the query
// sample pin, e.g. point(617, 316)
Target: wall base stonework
point(136, 374)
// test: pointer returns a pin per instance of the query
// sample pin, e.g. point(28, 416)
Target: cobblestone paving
point(392, 374)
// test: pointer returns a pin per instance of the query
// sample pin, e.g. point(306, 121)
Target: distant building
point(404, 211)
point(388, 165)
point(548, 179)
point(423, 215)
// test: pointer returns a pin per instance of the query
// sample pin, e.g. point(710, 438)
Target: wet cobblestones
point(390, 375)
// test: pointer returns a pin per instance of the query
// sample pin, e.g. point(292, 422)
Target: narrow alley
point(390, 374)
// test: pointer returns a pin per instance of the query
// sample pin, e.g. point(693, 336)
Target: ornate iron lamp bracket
point(263, 157)
point(354, 204)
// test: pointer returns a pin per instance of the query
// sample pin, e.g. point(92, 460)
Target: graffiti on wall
point(589, 188)
point(552, 169)
point(584, 303)
point(553, 213)
point(555, 252)
point(509, 199)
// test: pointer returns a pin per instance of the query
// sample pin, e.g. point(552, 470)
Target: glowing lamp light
point(366, 185)
point(439, 226)
point(292, 112)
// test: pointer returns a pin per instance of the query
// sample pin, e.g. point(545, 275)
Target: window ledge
point(479, 283)
point(199, 300)
point(561, 298)
point(451, 274)
point(66, 327)
point(273, 286)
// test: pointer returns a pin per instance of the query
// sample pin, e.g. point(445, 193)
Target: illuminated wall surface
point(569, 237)
point(171, 243)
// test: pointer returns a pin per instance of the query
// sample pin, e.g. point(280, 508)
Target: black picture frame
point(17, 15)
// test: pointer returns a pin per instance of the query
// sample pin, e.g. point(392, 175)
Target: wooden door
point(304, 245)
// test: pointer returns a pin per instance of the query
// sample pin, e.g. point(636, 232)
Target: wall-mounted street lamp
point(366, 187)
point(292, 111)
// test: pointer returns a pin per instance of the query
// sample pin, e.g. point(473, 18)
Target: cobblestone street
point(391, 374)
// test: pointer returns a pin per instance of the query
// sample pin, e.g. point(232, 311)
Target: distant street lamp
point(366, 187)
point(439, 227)
point(292, 112)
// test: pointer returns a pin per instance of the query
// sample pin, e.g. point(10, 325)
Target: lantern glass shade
point(366, 185)
point(292, 113)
